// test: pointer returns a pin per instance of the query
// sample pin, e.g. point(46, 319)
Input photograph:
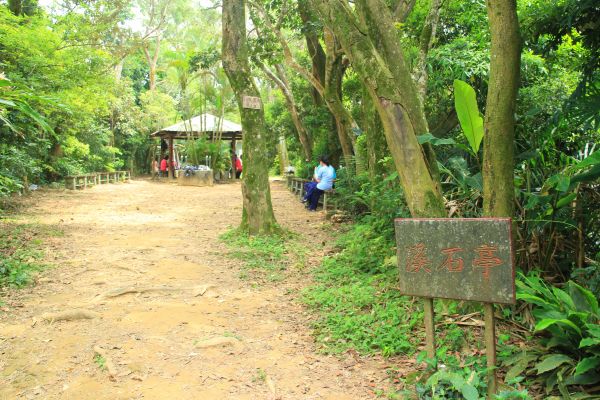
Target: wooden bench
point(80, 181)
point(328, 199)
point(298, 186)
point(123, 176)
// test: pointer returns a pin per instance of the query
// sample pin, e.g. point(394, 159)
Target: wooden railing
point(99, 178)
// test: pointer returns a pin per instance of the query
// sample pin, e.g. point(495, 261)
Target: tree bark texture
point(380, 25)
point(336, 108)
point(257, 213)
point(315, 50)
point(498, 141)
point(152, 62)
point(374, 51)
point(334, 75)
point(426, 41)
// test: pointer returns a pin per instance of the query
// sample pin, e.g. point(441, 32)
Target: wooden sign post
point(461, 259)
point(251, 102)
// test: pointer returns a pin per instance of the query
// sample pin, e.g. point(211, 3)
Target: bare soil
point(143, 303)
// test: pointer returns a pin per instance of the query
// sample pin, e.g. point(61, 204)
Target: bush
point(567, 321)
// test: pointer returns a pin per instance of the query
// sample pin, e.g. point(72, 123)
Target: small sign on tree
point(251, 102)
point(461, 259)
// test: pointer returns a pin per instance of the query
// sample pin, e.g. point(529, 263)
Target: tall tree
point(498, 141)
point(313, 45)
point(155, 19)
point(329, 90)
point(257, 214)
point(368, 36)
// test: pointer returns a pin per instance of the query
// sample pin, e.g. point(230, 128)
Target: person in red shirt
point(164, 170)
point(238, 166)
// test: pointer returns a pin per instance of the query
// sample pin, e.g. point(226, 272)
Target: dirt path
point(170, 318)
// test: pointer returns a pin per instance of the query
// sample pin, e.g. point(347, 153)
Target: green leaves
point(552, 362)
point(587, 364)
point(569, 320)
point(470, 119)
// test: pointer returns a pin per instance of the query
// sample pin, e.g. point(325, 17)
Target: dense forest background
point(83, 84)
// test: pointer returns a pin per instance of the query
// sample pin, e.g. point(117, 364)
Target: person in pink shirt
point(164, 169)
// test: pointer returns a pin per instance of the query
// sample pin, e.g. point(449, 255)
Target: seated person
point(324, 178)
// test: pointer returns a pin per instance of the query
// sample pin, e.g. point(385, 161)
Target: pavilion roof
point(202, 124)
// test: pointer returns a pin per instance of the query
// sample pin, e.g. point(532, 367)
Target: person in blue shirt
point(325, 176)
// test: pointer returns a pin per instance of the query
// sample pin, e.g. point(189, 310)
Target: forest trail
point(170, 316)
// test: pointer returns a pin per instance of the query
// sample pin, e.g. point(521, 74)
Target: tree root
point(138, 290)
point(69, 315)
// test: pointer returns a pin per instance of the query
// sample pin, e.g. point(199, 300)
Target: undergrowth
point(21, 251)
point(358, 308)
point(264, 257)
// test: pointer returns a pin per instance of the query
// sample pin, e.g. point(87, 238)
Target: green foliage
point(100, 361)
point(197, 150)
point(355, 300)
point(568, 320)
point(21, 252)
point(262, 257)
point(470, 119)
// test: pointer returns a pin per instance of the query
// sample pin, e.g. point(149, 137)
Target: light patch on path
point(170, 314)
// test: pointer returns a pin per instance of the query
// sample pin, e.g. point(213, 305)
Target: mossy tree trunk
point(328, 90)
point(152, 60)
point(334, 75)
point(313, 45)
point(498, 141)
point(257, 213)
point(369, 39)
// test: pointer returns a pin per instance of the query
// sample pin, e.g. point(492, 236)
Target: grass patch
point(264, 257)
point(21, 251)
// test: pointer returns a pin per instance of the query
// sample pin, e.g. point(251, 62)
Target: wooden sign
point(251, 102)
point(462, 259)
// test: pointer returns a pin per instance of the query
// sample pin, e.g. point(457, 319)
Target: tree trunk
point(380, 25)
point(374, 51)
point(152, 62)
point(334, 75)
point(257, 213)
point(498, 141)
point(426, 40)
point(336, 107)
point(15, 6)
point(315, 50)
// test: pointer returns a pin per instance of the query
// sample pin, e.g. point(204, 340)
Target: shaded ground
point(169, 316)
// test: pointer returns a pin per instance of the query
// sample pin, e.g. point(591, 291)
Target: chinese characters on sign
point(416, 259)
point(251, 102)
point(463, 259)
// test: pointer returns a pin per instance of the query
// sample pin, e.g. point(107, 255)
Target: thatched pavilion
point(207, 125)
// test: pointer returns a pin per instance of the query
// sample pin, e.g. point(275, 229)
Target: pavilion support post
point(171, 158)
point(233, 154)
